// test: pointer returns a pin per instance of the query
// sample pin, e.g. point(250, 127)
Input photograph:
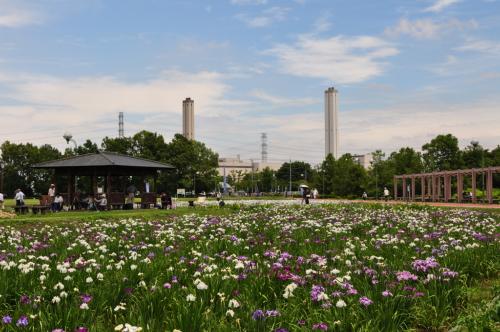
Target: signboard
point(181, 191)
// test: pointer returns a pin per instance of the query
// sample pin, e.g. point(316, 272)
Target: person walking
point(386, 194)
point(364, 196)
point(19, 197)
point(1, 201)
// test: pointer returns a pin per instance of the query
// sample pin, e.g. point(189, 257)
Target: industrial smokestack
point(188, 118)
point(121, 132)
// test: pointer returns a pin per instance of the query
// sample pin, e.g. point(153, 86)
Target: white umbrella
point(304, 186)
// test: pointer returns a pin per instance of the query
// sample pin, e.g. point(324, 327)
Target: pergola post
point(460, 187)
point(395, 180)
point(429, 187)
point(439, 187)
point(474, 199)
point(422, 187)
point(446, 184)
point(404, 188)
point(434, 188)
point(412, 188)
point(489, 186)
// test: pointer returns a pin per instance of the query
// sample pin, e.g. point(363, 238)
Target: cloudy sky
point(406, 70)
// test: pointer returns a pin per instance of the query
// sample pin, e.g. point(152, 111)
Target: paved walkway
point(438, 204)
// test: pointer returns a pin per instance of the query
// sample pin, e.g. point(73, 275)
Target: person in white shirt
point(1, 201)
point(103, 203)
point(19, 197)
point(58, 203)
point(52, 196)
point(386, 194)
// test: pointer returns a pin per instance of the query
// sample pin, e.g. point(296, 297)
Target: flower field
point(263, 268)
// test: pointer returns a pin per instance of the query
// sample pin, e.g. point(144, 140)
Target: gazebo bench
point(21, 209)
point(40, 208)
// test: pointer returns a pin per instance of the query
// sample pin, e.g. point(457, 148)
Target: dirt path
point(438, 204)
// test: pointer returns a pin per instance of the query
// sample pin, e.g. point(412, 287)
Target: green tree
point(196, 165)
point(148, 145)
point(406, 161)
point(267, 179)
point(474, 156)
point(85, 148)
point(18, 173)
point(123, 145)
point(442, 153)
point(349, 177)
point(327, 169)
point(380, 174)
point(301, 173)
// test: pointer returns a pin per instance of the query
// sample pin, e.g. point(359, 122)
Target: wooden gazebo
point(102, 164)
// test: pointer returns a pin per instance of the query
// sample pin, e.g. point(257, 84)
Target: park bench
point(44, 205)
point(116, 200)
point(148, 199)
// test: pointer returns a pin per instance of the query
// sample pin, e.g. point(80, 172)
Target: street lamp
point(69, 138)
point(194, 182)
point(2, 166)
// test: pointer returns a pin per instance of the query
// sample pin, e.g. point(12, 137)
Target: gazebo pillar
point(71, 189)
point(108, 187)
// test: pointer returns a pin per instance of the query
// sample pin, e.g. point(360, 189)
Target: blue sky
point(406, 71)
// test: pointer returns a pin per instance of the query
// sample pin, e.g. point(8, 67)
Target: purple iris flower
point(258, 315)
point(22, 321)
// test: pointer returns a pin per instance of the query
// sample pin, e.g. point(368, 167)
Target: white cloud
point(339, 59)
point(283, 101)
point(248, 2)
point(428, 28)
point(265, 18)
point(481, 46)
point(14, 15)
point(439, 5)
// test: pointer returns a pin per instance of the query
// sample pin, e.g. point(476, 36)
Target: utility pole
point(253, 187)
point(290, 164)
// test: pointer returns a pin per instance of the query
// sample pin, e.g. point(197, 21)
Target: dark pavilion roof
point(103, 159)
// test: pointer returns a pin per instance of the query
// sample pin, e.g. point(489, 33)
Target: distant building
point(364, 160)
point(331, 123)
point(232, 165)
point(235, 165)
point(188, 118)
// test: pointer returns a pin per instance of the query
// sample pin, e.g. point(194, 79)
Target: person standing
point(52, 197)
point(365, 195)
point(19, 197)
point(386, 194)
point(1, 201)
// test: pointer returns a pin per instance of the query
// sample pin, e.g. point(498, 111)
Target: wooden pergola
point(102, 164)
point(438, 186)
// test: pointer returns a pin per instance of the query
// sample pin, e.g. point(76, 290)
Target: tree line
point(194, 162)
point(196, 165)
point(344, 177)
